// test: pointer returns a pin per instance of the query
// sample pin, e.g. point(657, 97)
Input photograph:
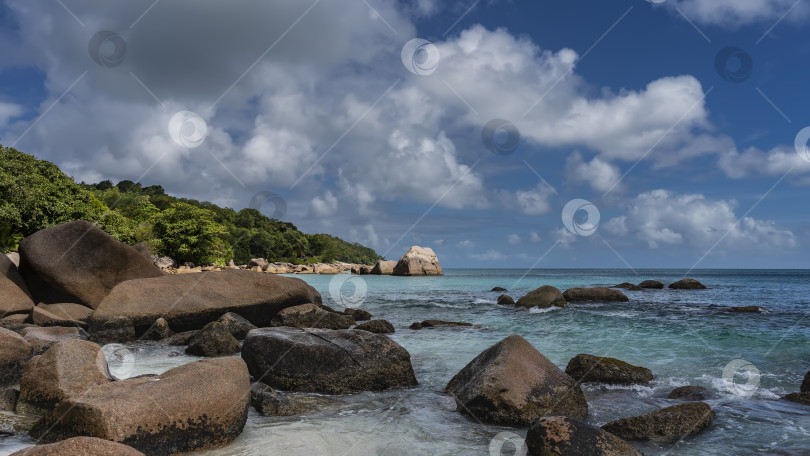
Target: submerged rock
point(799, 398)
point(628, 286)
point(418, 261)
point(444, 324)
point(213, 340)
point(505, 300)
point(78, 262)
point(746, 309)
point(327, 361)
point(513, 384)
point(269, 402)
point(312, 316)
point(598, 294)
point(377, 326)
point(805, 388)
point(691, 393)
point(671, 423)
point(687, 284)
point(499, 289)
point(564, 436)
point(543, 298)
point(80, 446)
point(651, 284)
point(588, 368)
point(201, 405)
point(191, 301)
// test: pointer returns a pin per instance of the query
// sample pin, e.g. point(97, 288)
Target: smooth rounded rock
point(588, 368)
point(687, 284)
point(651, 284)
point(80, 446)
point(13, 290)
point(312, 316)
point(691, 393)
point(595, 294)
point(564, 436)
point(543, 298)
point(377, 326)
point(236, 325)
point(213, 340)
point(667, 424)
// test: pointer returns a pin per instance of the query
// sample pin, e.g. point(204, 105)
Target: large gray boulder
point(68, 311)
point(14, 296)
point(80, 446)
point(564, 436)
point(77, 262)
point(384, 267)
point(668, 424)
point(418, 261)
point(66, 369)
point(190, 301)
point(327, 361)
point(588, 368)
point(14, 353)
point(213, 339)
point(312, 316)
point(41, 339)
point(543, 298)
point(598, 294)
point(236, 325)
point(513, 384)
point(192, 407)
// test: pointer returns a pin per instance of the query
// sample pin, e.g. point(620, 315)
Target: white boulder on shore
point(418, 261)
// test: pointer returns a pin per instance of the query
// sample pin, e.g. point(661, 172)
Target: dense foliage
point(35, 194)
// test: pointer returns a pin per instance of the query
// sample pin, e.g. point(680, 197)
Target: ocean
point(683, 336)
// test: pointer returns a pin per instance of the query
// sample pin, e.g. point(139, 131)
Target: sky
point(505, 134)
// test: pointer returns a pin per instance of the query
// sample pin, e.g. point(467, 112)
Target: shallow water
point(681, 335)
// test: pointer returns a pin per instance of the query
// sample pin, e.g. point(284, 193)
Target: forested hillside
point(35, 194)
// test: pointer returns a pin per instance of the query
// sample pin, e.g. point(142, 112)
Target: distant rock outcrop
point(418, 261)
point(687, 284)
point(596, 294)
point(384, 267)
point(543, 298)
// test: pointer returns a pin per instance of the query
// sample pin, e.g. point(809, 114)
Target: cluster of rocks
point(417, 261)
point(683, 284)
point(513, 384)
point(77, 288)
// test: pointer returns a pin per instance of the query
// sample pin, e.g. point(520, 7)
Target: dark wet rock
point(671, 423)
point(691, 393)
point(236, 325)
point(358, 314)
point(202, 405)
point(597, 294)
point(505, 300)
point(377, 326)
point(588, 368)
point(213, 340)
point(41, 339)
point(805, 388)
point(78, 260)
point(444, 324)
point(543, 298)
point(746, 309)
point(563, 436)
point(415, 325)
point(190, 301)
point(799, 398)
point(160, 330)
point(651, 284)
point(80, 446)
point(628, 286)
point(513, 384)
point(312, 316)
point(14, 292)
point(182, 338)
point(114, 329)
point(687, 284)
point(418, 261)
point(327, 361)
point(269, 402)
point(66, 369)
point(384, 267)
point(14, 353)
point(499, 289)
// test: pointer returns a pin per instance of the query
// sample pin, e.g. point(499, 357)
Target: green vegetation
point(35, 194)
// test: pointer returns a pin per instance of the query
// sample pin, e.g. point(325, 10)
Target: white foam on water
point(537, 310)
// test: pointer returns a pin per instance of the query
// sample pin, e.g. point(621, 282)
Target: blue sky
point(618, 104)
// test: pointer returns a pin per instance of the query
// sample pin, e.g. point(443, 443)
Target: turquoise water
point(682, 336)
